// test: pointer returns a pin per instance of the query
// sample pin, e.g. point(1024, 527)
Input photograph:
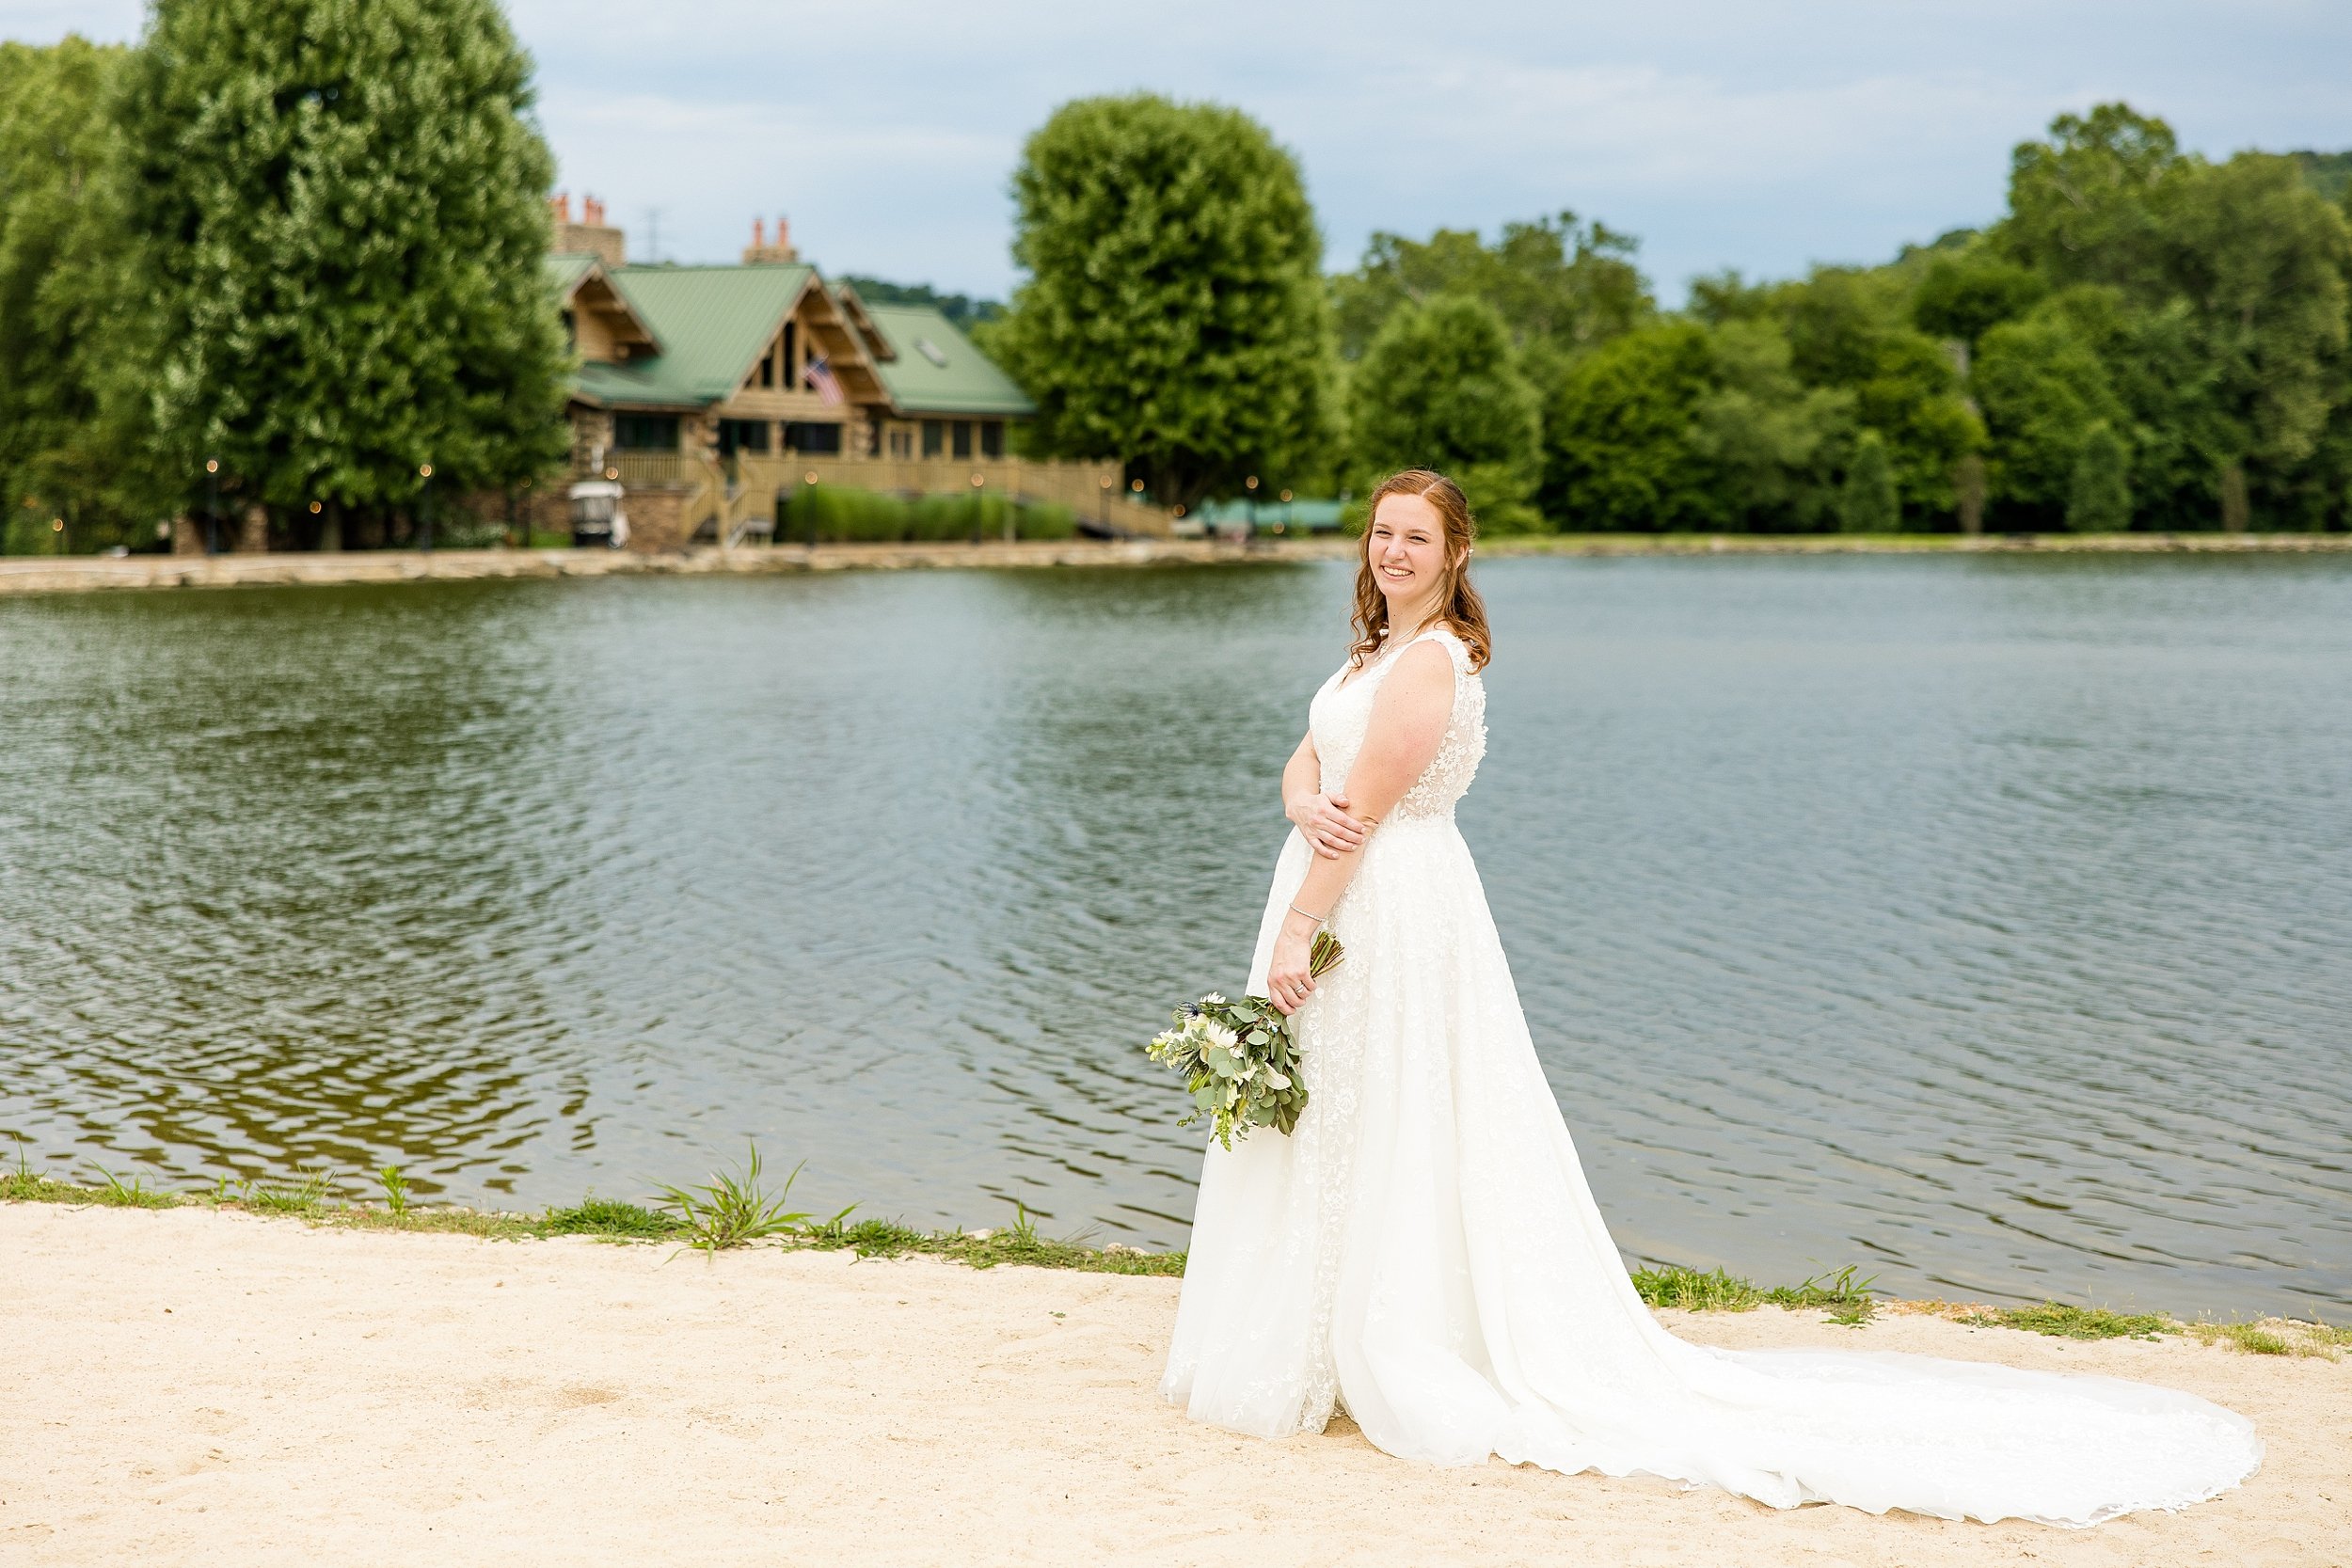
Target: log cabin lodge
point(709, 391)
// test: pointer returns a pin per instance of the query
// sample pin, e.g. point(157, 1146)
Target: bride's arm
point(1321, 819)
point(1409, 714)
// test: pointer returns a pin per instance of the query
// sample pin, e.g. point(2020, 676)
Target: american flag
point(820, 376)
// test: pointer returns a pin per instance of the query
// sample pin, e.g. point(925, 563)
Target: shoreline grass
point(747, 1215)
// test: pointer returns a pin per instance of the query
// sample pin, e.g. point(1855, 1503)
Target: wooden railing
point(651, 468)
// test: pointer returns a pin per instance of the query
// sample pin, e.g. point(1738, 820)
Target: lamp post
point(424, 510)
point(980, 517)
point(809, 504)
point(1103, 505)
point(1250, 504)
point(211, 511)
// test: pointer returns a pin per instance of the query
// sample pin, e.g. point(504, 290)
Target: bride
point(1423, 1250)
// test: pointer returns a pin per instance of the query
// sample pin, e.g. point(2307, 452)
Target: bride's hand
point(1288, 984)
point(1324, 821)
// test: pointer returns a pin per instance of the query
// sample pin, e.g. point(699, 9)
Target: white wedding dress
point(1423, 1251)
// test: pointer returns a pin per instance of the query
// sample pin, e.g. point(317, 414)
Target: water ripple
point(1979, 919)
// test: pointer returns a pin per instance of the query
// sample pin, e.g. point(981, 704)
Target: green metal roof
point(639, 383)
point(713, 324)
point(566, 270)
point(960, 380)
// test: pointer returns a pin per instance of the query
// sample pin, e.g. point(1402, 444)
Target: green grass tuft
point(26, 1187)
point(2263, 1337)
point(732, 1211)
point(1847, 1300)
point(2071, 1323)
point(116, 1193)
point(1690, 1291)
point(1020, 1245)
point(302, 1195)
point(610, 1219)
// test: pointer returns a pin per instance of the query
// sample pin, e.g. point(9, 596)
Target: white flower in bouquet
point(1240, 1059)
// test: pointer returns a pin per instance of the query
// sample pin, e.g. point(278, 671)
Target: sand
point(191, 1387)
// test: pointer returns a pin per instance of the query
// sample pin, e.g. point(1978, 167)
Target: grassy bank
point(739, 1209)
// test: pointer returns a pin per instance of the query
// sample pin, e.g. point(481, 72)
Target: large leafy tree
point(1849, 330)
point(2085, 205)
point(2237, 273)
point(2044, 388)
point(60, 267)
point(1767, 442)
point(1438, 390)
point(1559, 281)
point(340, 213)
point(1173, 315)
point(2262, 262)
point(1621, 438)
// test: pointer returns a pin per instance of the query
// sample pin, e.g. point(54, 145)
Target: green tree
point(1621, 443)
point(1849, 329)
point(1911, 397)
point(1558, 280)
point(2085, 205)
point(2263, 261)
point(2099, 497)
point(60, 267)
point(2042, 389)
point(1869, 503)
point(2168, 387)
point(1766, 440)
point(1965, 296)
point(1174, 314)
point(341, 218)
point(1438, 390)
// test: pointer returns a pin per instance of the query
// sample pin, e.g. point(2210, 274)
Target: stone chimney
point(760, 250)
point(591, 235)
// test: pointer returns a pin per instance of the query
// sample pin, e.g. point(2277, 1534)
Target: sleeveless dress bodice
point(1340, 715)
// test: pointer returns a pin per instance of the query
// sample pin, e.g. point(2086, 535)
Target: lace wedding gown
point(1425, 1250)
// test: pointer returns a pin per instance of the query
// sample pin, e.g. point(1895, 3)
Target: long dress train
point(1424, 1249)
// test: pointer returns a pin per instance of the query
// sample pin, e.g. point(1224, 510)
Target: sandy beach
point(197, 1387)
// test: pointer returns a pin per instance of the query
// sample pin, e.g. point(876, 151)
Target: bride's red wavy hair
point(1458, 605)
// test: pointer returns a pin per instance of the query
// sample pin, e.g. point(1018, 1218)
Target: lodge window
point(993, 438)
point(767, 368)
point(815, 440)
point(902, 443)
point(934, 436)
point(742, 435)
point(645, 432)
point(963, 437)
point(792, 359)
point(571, 330)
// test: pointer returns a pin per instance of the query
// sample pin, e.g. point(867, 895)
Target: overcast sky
point(1721, 134)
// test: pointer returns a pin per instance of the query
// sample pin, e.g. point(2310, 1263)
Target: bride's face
point(1405, 546)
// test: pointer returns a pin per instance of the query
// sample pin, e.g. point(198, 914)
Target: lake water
point(1986, 921)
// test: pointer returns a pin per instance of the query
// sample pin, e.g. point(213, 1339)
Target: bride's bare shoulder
point(1425, 670)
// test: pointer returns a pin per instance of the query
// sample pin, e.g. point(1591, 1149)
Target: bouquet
point(1238, 1059)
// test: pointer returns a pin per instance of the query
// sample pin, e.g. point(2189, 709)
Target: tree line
point(2144, 339)
point(275, 263)
point(281, 261)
